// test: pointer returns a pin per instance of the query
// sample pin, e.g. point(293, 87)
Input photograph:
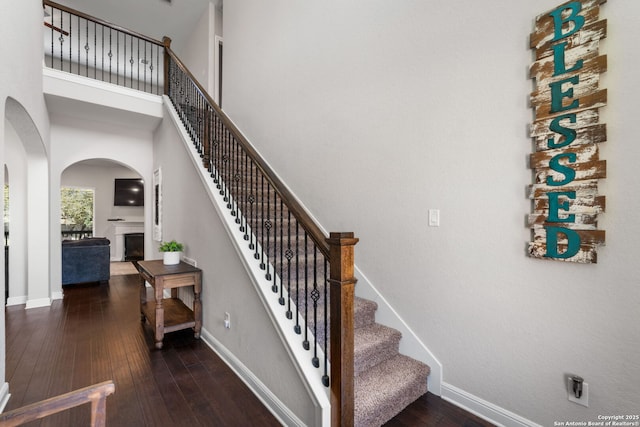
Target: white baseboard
point(56, 295)
point(40, 302)
point(16, 300)
point(4, 396)
point(271, 401)
point(483, 409)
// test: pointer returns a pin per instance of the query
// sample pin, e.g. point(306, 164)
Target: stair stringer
point(310, 376)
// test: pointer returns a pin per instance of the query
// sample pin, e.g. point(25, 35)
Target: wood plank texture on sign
point(584, 189)
point(586, 255)
point(583, 153)
point(544, 67)
point(584, 118)
point(543, 33)
point(596, 99)
point(585, 135)
point(580, 221)
point(588, 75)
point(582, 205)
point(589, 33)
point(583, 171)
point(587, 237)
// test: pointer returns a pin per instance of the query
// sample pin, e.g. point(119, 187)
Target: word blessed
point(561, 90)
point(566, 132)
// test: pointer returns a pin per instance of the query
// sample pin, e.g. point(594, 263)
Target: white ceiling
point(152, 18)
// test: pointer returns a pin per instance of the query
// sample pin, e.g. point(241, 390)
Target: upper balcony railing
point(81, 44)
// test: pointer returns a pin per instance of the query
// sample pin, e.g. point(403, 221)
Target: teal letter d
point(573, 239)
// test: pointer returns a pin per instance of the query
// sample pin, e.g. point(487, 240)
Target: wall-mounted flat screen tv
point(128, 192)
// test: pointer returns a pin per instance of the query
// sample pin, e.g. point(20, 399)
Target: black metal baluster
point(297, 329)
point(79, 37)
point(252, 198)
point(237, 194)
point(70, 43)
point(289, 256)
point(305, 343)
point(118, 59)
point(138, 78)
point(86, 48)
point(260, 240)
point(281, 300)
point(52, 43)
point(216, 143)
point(232, 173)
point(325, 377)
point(95, 52)
point(145, 66)
point(245, 195)
point(131, 64)
point(265, 243)
point(102, 41)
point(61, 39)
point(225, 167)
point(151, 67)
point(110, 54)
point(159, 60)
point(315, 295)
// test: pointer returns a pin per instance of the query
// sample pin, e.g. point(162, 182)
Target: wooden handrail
point(95, 394)
point(294, 206)
point(100, 21)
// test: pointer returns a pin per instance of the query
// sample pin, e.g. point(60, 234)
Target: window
point(76, 219)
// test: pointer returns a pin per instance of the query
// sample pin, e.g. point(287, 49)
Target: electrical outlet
point(190, 261)
point(227, 320)
point(584, 398)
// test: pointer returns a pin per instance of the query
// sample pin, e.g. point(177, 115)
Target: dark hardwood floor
point(95, 334)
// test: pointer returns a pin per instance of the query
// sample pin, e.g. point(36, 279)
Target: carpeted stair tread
point(364, 312)
point(386, 389)
point(374, 344)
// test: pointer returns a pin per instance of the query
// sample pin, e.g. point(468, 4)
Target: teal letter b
point(578, 20)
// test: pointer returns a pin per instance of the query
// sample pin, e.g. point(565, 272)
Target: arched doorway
point(115, 217)
point(28, 170)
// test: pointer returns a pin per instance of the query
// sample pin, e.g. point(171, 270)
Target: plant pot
point(171, 258)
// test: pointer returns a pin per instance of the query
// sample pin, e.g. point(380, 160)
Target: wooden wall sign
point(566, 132)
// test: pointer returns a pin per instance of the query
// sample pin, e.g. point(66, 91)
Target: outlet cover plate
point(584, 399)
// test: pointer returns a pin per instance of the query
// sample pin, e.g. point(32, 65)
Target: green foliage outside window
point(76, 208)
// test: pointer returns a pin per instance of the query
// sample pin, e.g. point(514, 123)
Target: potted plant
point(171, 252)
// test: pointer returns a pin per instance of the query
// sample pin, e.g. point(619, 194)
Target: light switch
point(434, 217)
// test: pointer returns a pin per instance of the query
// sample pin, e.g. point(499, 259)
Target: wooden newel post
point(342, 290)
point(167, 45)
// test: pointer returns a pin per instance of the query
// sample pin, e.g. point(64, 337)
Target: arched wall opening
point(81, 143)
point(110, 220)
point(28, 170)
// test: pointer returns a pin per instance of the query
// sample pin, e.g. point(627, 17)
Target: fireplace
point(133, 246)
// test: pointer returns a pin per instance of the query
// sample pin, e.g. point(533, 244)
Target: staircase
point(385, 381)
point(371, 381)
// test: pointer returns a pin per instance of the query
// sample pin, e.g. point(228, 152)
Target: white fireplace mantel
point(120, 228)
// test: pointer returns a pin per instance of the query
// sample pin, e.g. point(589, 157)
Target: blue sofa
point(85, 260)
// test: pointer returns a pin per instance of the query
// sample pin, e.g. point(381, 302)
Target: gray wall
point(374, 112)
point(189, 217)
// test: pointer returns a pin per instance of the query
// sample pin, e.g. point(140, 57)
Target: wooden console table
point(170, 314)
